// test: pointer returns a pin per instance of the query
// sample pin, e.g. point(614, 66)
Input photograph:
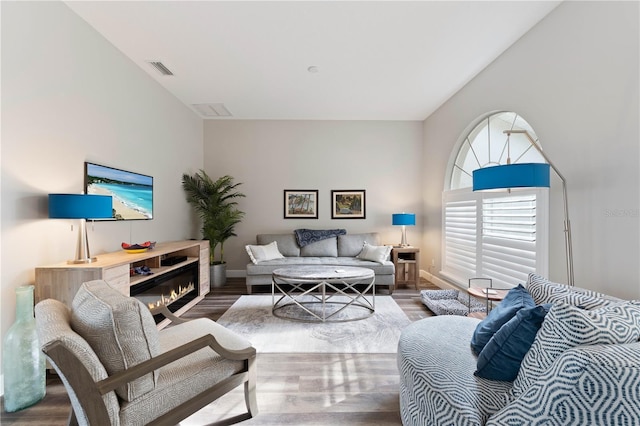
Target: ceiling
point(387, 60)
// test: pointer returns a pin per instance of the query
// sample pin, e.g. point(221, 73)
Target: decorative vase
point(23, 363)
point(218, 274)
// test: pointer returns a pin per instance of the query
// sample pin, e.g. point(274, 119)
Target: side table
point(488, 293)
point(406, 260)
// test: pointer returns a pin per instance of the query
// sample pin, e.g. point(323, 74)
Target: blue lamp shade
point(521, 175)
point(80, 206)
point(403, 219)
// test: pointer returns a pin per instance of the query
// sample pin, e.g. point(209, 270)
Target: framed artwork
point(300, 203)
point(348, 204)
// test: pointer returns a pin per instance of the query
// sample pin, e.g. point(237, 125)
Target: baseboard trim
point(438, 281)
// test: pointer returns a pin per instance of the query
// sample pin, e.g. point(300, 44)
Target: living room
point(70, 96)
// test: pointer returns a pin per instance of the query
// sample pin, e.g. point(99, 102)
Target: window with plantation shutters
point(498, 235)
point(460, 235)
point(510, 237)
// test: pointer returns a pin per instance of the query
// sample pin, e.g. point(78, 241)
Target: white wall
point(381, 157)
point(69, 96)
point(574, 78)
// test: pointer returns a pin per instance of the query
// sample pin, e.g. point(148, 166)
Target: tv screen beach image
point(132, 192)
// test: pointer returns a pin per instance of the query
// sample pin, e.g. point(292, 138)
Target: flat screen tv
point(132, 192)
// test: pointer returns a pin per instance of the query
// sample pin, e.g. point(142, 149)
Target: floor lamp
point(527, 175)
point(83, 207)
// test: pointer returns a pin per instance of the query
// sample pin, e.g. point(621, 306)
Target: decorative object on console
point(404, 220)
point(83, 207)
point(138, 248)
point(132, 192)
point(172, 260)
point(526, 175)
point(22, 361)
point(300, 203)
point(348, 204)
point(214, 201)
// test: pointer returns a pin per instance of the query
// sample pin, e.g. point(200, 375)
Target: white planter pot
point(218, 274)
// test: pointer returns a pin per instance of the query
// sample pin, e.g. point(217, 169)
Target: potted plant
point(214, 201)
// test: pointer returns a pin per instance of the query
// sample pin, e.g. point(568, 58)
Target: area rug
point(251, 317)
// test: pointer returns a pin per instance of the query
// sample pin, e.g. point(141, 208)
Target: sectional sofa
point(339, 250)
point(580, 367)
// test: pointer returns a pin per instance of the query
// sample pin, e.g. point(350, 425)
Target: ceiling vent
point(212, 110)
point(160, 67)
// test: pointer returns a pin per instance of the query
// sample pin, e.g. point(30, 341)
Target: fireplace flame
point(173, 296)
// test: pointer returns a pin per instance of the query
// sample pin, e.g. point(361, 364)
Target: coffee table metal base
point(324, 288)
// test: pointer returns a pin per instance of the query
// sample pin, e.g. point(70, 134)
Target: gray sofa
point(583, 367)
point(335, 251)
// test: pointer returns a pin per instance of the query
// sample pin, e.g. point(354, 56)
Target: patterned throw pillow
point(266, 252)
point(516, 299)
point(544, 291)
point(587, 385)
point(567, 326)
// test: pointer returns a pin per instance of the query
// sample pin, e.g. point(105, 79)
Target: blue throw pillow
point(501, 357)
point(516, 299)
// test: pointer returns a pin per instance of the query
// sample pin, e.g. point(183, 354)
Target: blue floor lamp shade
point(521, 175)
point(83, 207)
point(404, 220)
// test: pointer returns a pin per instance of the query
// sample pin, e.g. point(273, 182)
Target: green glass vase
point(23, 363)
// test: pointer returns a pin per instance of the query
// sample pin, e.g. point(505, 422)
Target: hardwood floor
point(293, 389)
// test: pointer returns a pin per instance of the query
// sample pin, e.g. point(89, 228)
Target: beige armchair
point(119, 369)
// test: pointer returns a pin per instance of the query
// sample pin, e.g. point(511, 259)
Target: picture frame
point(300, 203)
point(348, 204)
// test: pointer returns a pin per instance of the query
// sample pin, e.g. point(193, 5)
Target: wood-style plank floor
point(293, 389)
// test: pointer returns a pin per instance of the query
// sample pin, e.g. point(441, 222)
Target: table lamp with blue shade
point(83, 207)
point(404, 220)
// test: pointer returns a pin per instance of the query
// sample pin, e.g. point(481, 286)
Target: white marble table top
point(323, 273)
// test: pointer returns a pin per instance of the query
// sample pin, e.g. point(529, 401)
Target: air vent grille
point(160, 67)
point(212, 110)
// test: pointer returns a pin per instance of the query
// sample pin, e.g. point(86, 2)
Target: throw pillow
point(374, 253)
point(266, 252)
point(501, 357)
point(516, 299)
point(121, 331)
point(545, 291)
point(567, 326)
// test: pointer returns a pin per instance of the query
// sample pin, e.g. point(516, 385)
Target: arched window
point(498, 235)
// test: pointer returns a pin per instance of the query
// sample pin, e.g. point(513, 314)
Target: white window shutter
point(509, 238)
point(502, 236)
point(460, 236)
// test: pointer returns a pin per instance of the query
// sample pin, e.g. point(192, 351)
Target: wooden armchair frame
point(89, 393)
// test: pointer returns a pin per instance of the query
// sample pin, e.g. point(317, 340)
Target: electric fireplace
point(173, 289)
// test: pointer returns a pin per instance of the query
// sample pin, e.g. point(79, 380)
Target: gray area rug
point(251, 318)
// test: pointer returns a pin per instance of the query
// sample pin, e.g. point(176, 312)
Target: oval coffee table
point(321, 293)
